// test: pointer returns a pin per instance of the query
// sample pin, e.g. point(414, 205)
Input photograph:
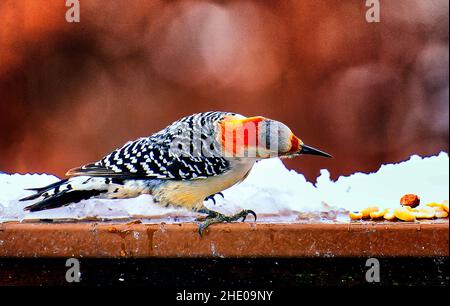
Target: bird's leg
point(210, 213)
point(211, 197)
point(215, 217)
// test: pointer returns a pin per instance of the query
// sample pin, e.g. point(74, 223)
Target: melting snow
point(269, 189)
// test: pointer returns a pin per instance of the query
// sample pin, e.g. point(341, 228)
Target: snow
point(270, 189)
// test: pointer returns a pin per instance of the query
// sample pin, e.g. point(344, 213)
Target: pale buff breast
point(191, 194)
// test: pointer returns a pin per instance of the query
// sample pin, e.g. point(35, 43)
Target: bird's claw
point(247, 212)
point(215, 217)
point(211, 197)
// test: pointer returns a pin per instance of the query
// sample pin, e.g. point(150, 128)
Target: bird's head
point(261, 137)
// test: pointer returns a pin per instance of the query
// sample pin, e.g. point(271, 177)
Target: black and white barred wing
point(149, 158)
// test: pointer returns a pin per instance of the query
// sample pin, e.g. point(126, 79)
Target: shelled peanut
point(404, 214)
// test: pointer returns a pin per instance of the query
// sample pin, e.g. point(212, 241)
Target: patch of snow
point(269, 189)
point(272, 188)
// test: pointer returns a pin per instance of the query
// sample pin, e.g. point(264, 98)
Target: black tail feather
point(63, 199)
point(31, 197)
point(41, 190)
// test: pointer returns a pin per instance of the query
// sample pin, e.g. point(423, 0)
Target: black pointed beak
point(311, 151)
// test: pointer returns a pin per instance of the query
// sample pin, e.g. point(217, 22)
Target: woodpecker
point(187, 162)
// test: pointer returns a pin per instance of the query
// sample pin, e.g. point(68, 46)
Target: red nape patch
point(255, 120)
point(250, 131)
point(240, 134)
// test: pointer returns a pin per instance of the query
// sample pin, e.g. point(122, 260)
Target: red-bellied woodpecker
point(189, 161)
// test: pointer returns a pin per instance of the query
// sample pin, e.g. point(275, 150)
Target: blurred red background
point(368, 93)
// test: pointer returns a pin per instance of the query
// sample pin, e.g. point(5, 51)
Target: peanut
point(410, 200)
point(404, 214)
point(356, 215)
point(425, 213)
point(389, 214)
point(378, 214)
point(366, 212)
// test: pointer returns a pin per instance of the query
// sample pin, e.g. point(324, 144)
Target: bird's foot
point(215, 217)
point(211, 197)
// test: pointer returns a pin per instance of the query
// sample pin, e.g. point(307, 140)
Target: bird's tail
point(65, 192)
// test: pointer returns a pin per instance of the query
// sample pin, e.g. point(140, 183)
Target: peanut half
point(425, 213)
point(404, 214)
point(445, 206)
point(366, 212)
point(378, 214)
point(356, 215)
point(440, 212)
point(389, 214)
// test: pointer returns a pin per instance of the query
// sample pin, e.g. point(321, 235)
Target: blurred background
point(368, 93)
